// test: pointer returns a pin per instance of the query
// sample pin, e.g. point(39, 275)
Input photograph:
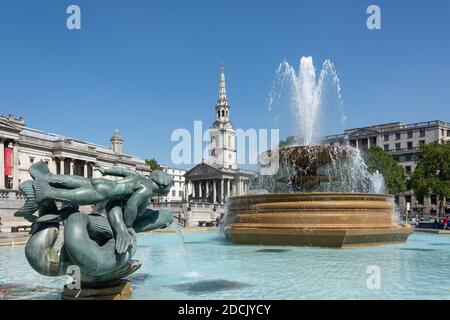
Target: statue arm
point(137, 202)
point(117, 172)
point(123, 237)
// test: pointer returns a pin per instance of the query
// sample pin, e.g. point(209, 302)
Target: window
point(442, 132)
point(180, 194)
point(433, 199)
point(173, 193)
point(410, 145)
point(31, 160)
point(410, 134)
point(386, 147)
point(420, 201)
point(396, 199)
point(408, 169)
point(398, 136)
point(397, 146)
point(223, 113)
point(421, 143)
point(448, 133)
point(408, 199)
point(422, 133)
point(386, 137)
point(408, 157)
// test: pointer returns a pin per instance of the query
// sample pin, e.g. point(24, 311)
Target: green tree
point(291, 140)
point(394, 174)
point(432, 174)
point(152, 164)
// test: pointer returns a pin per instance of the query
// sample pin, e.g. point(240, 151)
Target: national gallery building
point(21, 146)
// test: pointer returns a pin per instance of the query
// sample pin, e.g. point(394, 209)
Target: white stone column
point(71, 164)
point(214, 191)
point(228, 188)
point(194, 194)
point(189, 191)
point(52, 166)
point(15, 165)
point(2, 164)
point(207, 190)
point(221, 190)
point(61, 165)
point(85, 170)
point(200, 191)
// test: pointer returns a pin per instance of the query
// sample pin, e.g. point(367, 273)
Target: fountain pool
point(415, 270)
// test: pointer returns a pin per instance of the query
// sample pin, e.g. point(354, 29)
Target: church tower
point(222, 151)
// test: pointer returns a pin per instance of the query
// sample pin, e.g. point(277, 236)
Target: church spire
point(222, 100)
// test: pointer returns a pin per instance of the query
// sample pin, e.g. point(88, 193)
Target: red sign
point(8, 161)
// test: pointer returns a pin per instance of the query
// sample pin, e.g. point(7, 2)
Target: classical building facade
point(402, 142)
point(218, 177)
point(21, 146)
point(177, 192)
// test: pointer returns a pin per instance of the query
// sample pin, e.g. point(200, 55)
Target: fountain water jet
point(180, 238)
point(321, 195)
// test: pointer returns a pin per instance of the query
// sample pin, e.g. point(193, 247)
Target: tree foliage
point(432, 174)
point(394, 174)
point(291, 140)
point(153, 164)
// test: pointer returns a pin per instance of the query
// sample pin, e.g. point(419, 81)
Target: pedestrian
point(445, 222)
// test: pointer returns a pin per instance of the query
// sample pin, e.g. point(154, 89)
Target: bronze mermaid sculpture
point(101, 243)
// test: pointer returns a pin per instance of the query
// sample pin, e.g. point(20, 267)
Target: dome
point(116, 136)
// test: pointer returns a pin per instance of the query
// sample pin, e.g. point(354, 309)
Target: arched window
point(223, 113)
point(218, 114)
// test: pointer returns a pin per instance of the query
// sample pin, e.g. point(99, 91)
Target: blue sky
point(149, 67)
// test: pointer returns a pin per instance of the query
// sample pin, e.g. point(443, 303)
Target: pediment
point(203, 170)
point(362, 133)
point(8, 126)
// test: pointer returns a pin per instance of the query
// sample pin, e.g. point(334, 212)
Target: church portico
point(215, 188)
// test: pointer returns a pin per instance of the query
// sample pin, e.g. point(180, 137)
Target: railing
point(180, 221)
point(414, 150)
point(182, 204)
point(394, 126)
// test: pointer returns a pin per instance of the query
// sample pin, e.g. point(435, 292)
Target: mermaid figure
point(101, 243)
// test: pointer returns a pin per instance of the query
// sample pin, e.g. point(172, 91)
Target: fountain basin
point(313, 219)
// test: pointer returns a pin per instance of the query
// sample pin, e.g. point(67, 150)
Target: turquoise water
point(215, 269)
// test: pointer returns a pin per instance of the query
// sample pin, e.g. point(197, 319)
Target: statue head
point(162, 181)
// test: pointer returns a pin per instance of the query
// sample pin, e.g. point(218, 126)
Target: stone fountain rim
point(295, 196)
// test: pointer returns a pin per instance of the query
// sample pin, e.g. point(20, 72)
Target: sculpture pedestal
point(120, 291)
